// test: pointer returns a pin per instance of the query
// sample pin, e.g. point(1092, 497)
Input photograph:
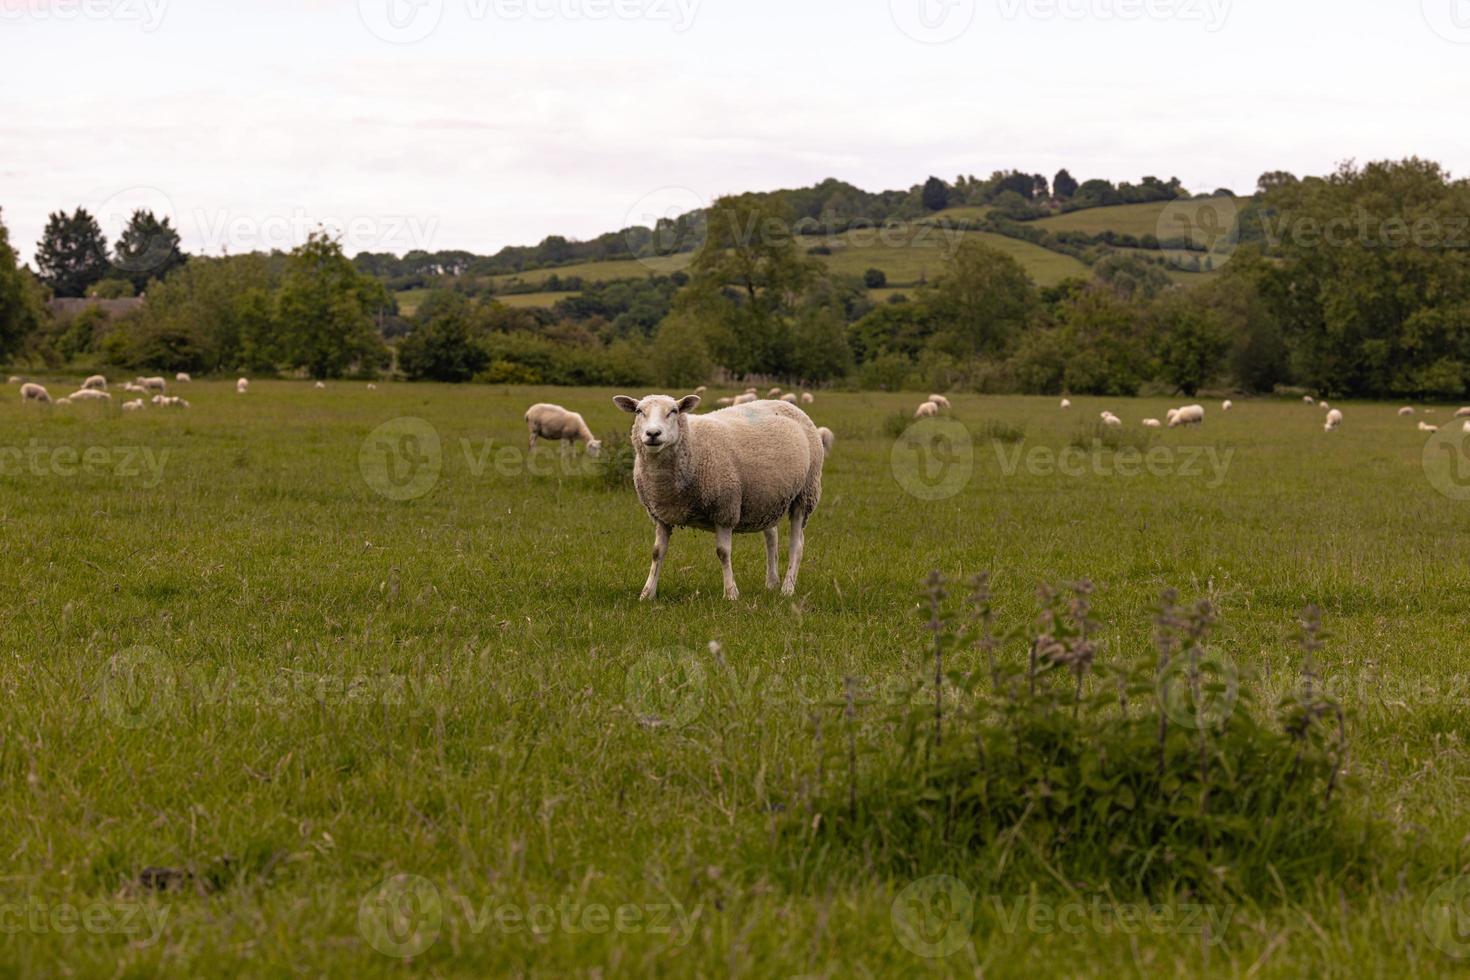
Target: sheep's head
point(657, 420)
point(594, 447)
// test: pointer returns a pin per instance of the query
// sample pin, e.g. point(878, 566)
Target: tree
point(935, 194)
point(21, 303)
point(1193, 342)
point(224, 306)
point(326, 310)
point(982, 300)
point(875, 278)
point(1064, 185)
point(443, 349)
point(147, 249)
point(679, 356)
point(111, 289)
point(72, 253)
point(1132, 277)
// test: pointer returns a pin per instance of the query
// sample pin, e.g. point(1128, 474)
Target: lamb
point(1188, 415)
point(32, 392)
point(730, 472)
point(183, 377)
point(1466, 427)
point(1066, 403)
point(554, 422)
point(132, 406)
point(926, 411)
point(95, 383)
point(242, 386)
point(788, 398)
point(1152, 424)
point(1334, 421)
point(1324, 406)
point(153, 384)
point(1405, 411)
point(745, 399)
point(1226, 405)
point(806, 397)
point(940, 400)
point(828, 439)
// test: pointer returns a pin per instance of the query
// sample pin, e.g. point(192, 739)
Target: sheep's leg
point(660, 548)
point(724, 536)
point(532, 431)
point(793, 552)
point(773, 554)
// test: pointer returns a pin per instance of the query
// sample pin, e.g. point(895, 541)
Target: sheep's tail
point(826, 435)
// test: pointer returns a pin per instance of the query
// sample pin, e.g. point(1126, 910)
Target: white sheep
point(1188, 415)
point(735, 471)
point(95, 383)
point(1465, 427)
point(1308, 400)
point(372, 387)
point(1226, 405)
point(15, 379)
point(1405, 411)
point(1111, 421)
point(828, 438)
point(1334, 421)
point(88, 395)
point(554, 422)
point(724, 402)
point(774, 393)
point(134, 389)
point(159, 399)
point(153, 384)
point(1066, 403)
point(135, 405)
point(926, 411)
point(806, 397)
point(941, 401)
point(701, 390)
point(1324, 406)
point(173, 402)
point(32, 392)
point(1426, 427)
point(320, 384)
point(242, 386)
point(745, 399)
point(788, 398)
point(1462, 412)
point(183, 377)
point(1152, 424)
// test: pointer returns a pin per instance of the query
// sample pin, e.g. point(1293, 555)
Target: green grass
point(913, 253)
point(1130, 219)
point(522, 300)
point(336, 687)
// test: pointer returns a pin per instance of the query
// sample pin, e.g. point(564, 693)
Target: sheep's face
point(658, 420)
point(594, 447)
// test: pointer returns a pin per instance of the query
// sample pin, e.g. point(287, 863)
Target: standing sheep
point(1188, 415)
point(1152, 424)
point(807, 398)
point(1226, 405)
point(1405, 411)
point(242, 386)
point(1111, 421)
point(15, 379)
point(724, 402)
point(735, 471)
point(95, 383)
point(788, 398)
point(153, 384)
point(926, 411)
point(1334, 421)
point(554, 422)
point(183, 377)
point(133, 406)
point(320, 384)
point(1066, 403)
point(941, 401)
point(1461, 413)
point(32, 392)
point(1308, 400)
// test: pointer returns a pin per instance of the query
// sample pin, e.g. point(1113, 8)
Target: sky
point(475, 124)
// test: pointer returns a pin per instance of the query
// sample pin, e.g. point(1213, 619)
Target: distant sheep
point(1111, 421)
point(173, 402)
point(32, 392)
point(927, 410)
point(183, 377)
point(774, 393)
point(15, 379)
point(547, 421)
point(745, 399)
point(1405, 411)
point(807, 398)
point(1188, 415)
point(242, 386)
point(828, 438)
point(134, 389)
point(789, 398)
point(1066, 403)
point(1226, 405)
point(941, 401)
point(1462, 413)
point(372, 387)
point(1465, 427)
point(320, 384)
point(1324, 406)
point(1308, 400)
point(1152, 424)
point(135, 405)
point(153, 384)
point(95, 383)
point(1426, 427)
point(1334, 421)
point(728, 472)
point(89, 395)
point(724, 402)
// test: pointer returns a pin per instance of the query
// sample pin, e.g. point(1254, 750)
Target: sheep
point(16, 379)
point(774, 393)
point(828, 438)
point(320, 384)
point(554, 422)
point(730, 472)
point(132, 406)
point(701, 390)
point(926, 411)
point(88, 395)
point(1334, 421)
point(1405, 411)
point(1152, 424)
point(1426, 427)
point(745, 399)
point(1466, 427)
point(1066, 403)
point(1308, 400)
point(1188, 415)
point(372, 387)
point(63, 401)
point(242, 386)
point(1462, 412)
point(32, 392)
point(724, 402)
point(133, 389)
point(1111, 421)
point(788, 398)
point(153, 384)
point(95, 383)
point(183, 377)
point(806, 397)
point(159, 399)
point(1324, 406)
point(174, 402)
point(940, 400)
point(1226, 405)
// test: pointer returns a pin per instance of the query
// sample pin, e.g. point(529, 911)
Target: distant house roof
point(112, 307)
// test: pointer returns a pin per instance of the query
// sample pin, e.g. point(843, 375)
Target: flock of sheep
point(1195, 415)
point(94, 389)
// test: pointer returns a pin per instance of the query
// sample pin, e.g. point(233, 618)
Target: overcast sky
point(480, 123)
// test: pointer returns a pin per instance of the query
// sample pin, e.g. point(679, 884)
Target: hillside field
point(265, 654)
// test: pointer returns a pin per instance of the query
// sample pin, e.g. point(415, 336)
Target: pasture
point(259, 660)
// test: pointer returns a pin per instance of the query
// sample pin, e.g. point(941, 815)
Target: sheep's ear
point(625, 403)
point(689, 403)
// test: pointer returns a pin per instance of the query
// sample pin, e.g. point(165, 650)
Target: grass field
point(1137, 219)
point(251, 674)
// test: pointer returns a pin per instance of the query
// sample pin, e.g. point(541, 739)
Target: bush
point(875, 278)
point(614, 466)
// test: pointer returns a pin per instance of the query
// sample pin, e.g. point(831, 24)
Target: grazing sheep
point(372, 387)
point(1226, 405)
point(88, 395)
point(724, 402)
point(320, 384)
point(1308, 400)
point(32, 392)
point(183, 377)
point(941, 401)
point(1111, 421)
point(1334, 421)
point(700, 390)
point(131, 388)
point(1426, 427)
point(789, 398)
point(173, 402)
point(1188, 415)
point(132, 406)
point(926, 411)
point(745, 399)
point(1324, 406)
point(95, 383)
point(242, 386)
point(63, 401)
point(1462, 413)
point(153, 384)
point(1406, 410)
point(1465, 427)
point(554, 422)
point(774, 393)
point(1152, 424)
point(1066, 403)
point(807, 398)
point(828, 438)
point(159, 399)
point(15, 379)
point(730, 472)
